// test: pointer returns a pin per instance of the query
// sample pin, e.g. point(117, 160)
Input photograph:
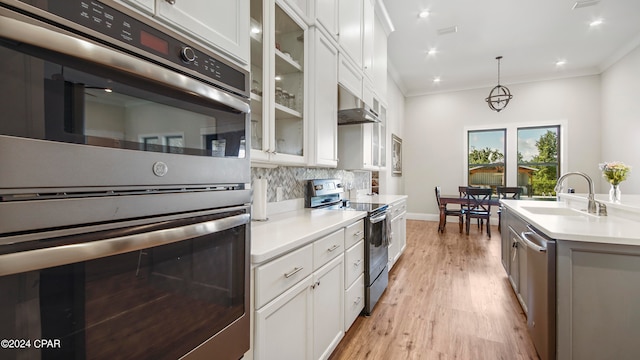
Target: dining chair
point(448, 212)
point(479, 207)
point(462, 190)
point(507, 192)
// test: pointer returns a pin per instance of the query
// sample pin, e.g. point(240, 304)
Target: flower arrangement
point(615, 172)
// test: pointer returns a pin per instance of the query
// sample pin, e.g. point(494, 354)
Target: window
point(174, 143)
point(538, 159)
point(486, 158)
point(523, 155)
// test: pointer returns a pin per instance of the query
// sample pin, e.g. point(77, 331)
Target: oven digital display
point(154, 42)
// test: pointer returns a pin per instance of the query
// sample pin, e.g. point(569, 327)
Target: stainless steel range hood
point(352, 110)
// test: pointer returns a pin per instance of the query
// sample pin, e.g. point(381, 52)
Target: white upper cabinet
point(326, 13)
point(302, 7)
point(362, 38)
point(368, 50)
point(350, 35)
point(147, 6)
point(279, 77)
point(379, 60)
point(223, 24)
point(323, 124)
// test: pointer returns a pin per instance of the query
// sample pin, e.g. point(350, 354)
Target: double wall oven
point(328, 194)
point(124, 197)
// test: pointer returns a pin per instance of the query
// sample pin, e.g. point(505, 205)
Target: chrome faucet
point(591, 207)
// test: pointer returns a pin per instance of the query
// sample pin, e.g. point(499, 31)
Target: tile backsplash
point(292, 179)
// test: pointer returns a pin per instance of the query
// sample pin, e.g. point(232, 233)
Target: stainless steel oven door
point(376, 257)
point(164, 289)
point(80, 113)
point(377, 244)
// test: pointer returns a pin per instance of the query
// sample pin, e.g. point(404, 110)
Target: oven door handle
point(378, 218)
point(24, 261)
point(51, 40)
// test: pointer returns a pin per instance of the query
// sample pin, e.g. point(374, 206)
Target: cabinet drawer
point(353, 302)
point(275, 277)
point(328, 248)
point(398, 209)
point(354, 263)
point(353, 233)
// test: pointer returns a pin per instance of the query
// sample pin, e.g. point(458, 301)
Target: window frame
point(502, 130)
point(511, 140)
point(558, 162)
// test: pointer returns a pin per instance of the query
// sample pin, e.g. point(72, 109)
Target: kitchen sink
point(562, 211)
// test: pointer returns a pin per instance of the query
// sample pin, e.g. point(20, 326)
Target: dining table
point(459, 200)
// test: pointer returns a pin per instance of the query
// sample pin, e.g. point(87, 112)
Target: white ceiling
point(530, 35)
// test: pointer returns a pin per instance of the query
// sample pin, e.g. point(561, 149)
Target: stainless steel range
point(329, 194)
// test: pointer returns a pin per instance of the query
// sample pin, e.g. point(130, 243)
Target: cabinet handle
point(333, 248)
point(357, 301)
point(293, 272)
point(530, 244)
point(358, 233)
point(357, 262)
point(315, 285)
point(172, 2)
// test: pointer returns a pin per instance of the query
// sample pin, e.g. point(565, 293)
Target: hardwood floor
point(448, 298)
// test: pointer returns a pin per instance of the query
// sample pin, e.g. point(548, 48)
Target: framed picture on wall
point(396, 156)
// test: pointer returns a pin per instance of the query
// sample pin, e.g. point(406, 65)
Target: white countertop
point(564, 220)
point(378, 199)
point(290, 230)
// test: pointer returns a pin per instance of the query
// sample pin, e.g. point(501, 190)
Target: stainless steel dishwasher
point(541, 286)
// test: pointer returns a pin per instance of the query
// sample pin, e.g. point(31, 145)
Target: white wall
point(434, 132)
point(395, 125)
point(621, 118)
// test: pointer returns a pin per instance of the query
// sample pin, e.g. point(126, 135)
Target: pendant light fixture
point(500, 95)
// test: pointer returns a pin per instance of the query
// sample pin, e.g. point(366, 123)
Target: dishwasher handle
point(530, 244)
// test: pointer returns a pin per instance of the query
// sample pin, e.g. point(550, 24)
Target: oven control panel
point(122, 27)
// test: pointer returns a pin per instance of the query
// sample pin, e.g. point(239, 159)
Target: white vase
point(614, 193)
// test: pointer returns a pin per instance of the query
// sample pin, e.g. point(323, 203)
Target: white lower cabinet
point(354, 263)
point(353, 301)
point(328, 295)
point(353, 273)
point(398, 241)
point(300, 297)
point(284, 326)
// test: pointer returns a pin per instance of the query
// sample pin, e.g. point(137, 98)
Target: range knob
point(188, 54)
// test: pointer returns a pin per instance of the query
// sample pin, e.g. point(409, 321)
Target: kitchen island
point(597, 273)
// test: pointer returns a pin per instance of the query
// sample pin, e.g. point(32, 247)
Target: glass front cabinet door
point(278, 60)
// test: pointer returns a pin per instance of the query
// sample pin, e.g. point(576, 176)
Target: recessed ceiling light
point(596, 23)
point(256, 30)
point(436, 79)
point(432, 51)
point(561, 62)
point(423, 14)
point(277, 78)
